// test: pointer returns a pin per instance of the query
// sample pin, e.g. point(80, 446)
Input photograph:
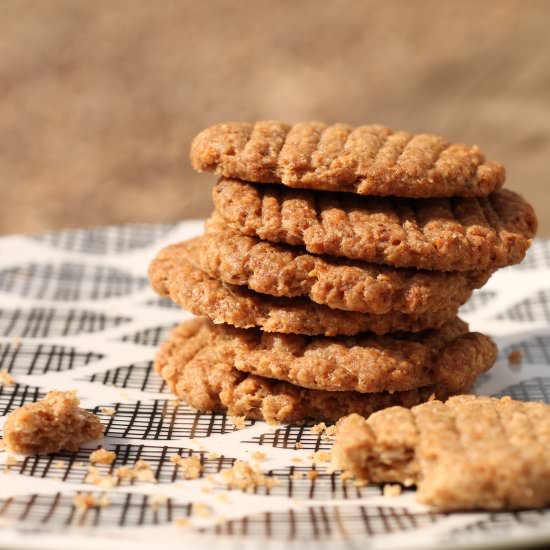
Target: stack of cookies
point(329, 277)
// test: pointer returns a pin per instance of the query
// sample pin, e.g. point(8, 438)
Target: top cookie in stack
point(331, 231)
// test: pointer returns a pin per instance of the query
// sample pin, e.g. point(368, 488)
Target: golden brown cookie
point(198, 368)
point(368, 160)
point(173, 273)
point(450, 358)
point(467, 453)
point(442, 234)
point(280, 270)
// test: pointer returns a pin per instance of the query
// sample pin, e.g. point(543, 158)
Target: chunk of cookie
point(56, 423)
point(467, 453)
point(173, 274)
point(280, 270)
point(368, 160)
point(199, 368)
point(442, 234)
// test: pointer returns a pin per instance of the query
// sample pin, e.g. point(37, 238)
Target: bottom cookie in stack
point(289, 378)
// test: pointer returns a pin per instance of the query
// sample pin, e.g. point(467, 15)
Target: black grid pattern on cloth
point(41, 322)
point(28, 358)
point(163, 302)
point(125, 510)
point(534, 350)
point(326, 522)
point(537, 257)
point(68, 281)
point(165, 419)
point(498, 523)
point(17, 395)
point(534, 308)
point(534, 389)
point(139, 376)
point(105, 240)
point(292, 437)
point(152, 336)
point(292, 481)
point(478, 299)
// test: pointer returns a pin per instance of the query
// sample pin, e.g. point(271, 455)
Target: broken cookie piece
point(56, 423)
point(466, 453)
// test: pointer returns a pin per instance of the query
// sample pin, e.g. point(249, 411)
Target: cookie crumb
point(515, 357)
point(87, 501)
point(158, 500)
point(258, 456)
point(102, 456)
point(191, 467)
point(318, 428)
point(298, 445)
point(312, 475)
point(108, 411)
point(320, 456)
point(182, 522)
point(124, 472)
point(201, 510)
point(392, 490)
point(296, 476)
point(59, 464)
point(143, 472)
point(238, 422)
point(104, 501)
point(223, 497)
point(6, 379)
point(245, 476)
point(84, 502)
point(331, 430)
point(95, 477)
point(213, 455)
point(10, 460)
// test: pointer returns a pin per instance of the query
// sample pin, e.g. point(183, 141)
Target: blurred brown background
point(100, 99)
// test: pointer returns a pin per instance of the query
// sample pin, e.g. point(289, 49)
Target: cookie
point(442, 234)
point(368, 160)
point(199, 369)
point(173, 273)
point(280, 270)
point(450, 358)
point(56, 423)
point(467, 453)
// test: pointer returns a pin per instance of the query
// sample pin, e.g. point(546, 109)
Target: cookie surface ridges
point(368, 160)
point(281, 270)
point(471, 452)
point(199, 369)
point(441, 234)
point(173, 273)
